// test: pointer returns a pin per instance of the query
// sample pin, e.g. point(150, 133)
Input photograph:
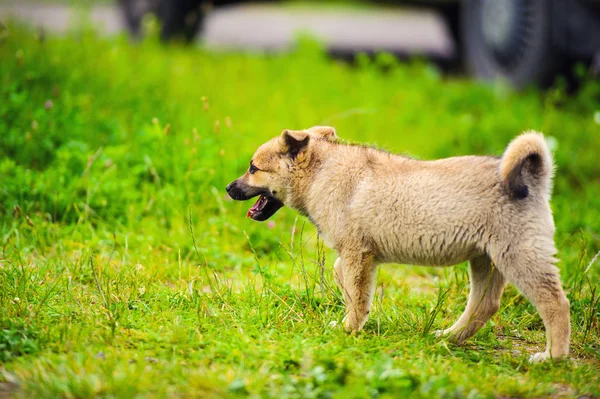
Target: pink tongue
point(254, 207)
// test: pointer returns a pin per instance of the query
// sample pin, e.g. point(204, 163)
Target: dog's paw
point(546, 356)
point(451, 334)
point(351, 327)
point(353, 324)
point(539, 357)
point(346, 323)
point(440, 333)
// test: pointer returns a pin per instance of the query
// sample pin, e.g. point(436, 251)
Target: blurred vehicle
point(520, 41)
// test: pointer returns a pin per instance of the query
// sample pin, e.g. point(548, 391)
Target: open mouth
point(264, 208)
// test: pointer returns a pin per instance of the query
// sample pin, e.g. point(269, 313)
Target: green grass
point(126, 271)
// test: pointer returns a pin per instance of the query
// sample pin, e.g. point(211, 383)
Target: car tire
point(510, 40)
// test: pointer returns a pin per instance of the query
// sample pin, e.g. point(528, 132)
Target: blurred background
point(520, 41)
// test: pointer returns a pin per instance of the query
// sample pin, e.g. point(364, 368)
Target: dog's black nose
point(230, 186)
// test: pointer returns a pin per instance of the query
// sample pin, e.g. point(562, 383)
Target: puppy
point(374, 207)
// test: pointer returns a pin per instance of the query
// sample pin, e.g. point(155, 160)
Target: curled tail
point(526, 167)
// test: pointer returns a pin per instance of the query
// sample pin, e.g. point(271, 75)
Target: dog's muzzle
point(240, 192)
point(264, 208)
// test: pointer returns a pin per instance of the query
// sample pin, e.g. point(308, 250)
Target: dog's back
point(440, 212)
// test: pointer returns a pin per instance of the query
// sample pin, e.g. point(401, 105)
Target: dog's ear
point(325, 132)
point(294, 141)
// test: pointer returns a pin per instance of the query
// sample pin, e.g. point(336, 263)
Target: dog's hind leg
point(532, 270)
point(487, 285)
point(359, 274)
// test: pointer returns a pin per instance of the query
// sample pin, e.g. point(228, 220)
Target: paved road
point(272, 27)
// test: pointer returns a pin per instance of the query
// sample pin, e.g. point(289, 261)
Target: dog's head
point(273, 169)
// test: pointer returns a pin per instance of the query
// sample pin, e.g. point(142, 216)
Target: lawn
point(125, 270)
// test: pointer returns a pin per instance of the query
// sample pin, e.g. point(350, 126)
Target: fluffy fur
point(374, 207)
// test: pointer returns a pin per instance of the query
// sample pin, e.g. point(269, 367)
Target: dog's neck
point(304, 176)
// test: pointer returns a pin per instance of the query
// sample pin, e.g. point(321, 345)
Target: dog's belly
point(434, 220)
point(433, 250)
point(434, 240)
point(431, 244)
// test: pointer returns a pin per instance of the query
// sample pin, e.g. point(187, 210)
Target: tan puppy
point(374, 207)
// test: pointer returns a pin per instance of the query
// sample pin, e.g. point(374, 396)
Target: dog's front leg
point(338, 275)
point(356, 273)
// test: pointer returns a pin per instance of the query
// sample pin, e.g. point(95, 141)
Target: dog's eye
point(252, 168)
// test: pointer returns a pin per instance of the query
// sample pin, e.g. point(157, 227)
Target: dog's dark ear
point(325, 132)
point(294, 141)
